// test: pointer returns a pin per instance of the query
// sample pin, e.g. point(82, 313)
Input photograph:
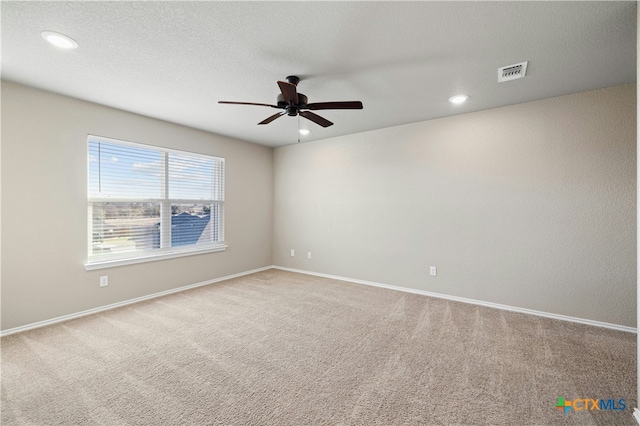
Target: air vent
point(512, 72)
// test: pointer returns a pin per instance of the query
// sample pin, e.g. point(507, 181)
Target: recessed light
point(304, 132)
point(59, 40)
point(458, 99)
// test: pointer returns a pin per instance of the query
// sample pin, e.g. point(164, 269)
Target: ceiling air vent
point(512, 72)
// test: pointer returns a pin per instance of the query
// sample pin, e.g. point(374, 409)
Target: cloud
point(146, 165)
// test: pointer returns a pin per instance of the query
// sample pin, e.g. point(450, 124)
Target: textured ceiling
point(403, 60)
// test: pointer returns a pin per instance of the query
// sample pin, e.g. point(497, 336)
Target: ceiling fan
point(294, 103)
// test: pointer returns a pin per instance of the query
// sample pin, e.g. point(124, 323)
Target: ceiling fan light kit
point(294, 103)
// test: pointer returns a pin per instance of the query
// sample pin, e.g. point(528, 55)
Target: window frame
point(164, 252)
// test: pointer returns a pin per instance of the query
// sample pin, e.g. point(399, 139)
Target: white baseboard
point(471, 301)
point(125, 303)
point(335, 277)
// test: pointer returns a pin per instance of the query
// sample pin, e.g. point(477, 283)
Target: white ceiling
point(403, 60)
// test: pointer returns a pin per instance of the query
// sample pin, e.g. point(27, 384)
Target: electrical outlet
point(433, 271)
point(293, 252)
point(104, 281)
point(308, 255)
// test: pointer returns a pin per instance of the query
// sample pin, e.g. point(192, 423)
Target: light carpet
point(280, 348)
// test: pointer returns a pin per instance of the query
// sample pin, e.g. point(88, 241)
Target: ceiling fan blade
point(316, 118)
point(247, 103)
point(273, 117)
point(289, 92)
point(335, 105)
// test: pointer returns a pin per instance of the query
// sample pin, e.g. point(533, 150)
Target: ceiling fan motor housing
point(292, 109)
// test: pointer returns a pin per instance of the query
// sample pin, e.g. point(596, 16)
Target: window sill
point(110, 263)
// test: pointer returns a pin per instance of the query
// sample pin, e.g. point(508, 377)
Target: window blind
point(144, 199)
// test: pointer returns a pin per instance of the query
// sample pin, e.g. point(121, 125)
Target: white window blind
point(146, 201)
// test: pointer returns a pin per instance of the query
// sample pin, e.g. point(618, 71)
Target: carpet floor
point(280, 348)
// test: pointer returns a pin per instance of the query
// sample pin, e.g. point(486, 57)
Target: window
point(148, 203)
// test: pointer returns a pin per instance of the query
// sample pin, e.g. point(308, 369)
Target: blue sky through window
point(130, 172)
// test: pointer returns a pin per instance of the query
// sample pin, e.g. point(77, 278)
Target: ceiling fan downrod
point(293, 80)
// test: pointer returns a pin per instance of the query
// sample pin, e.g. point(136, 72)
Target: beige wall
point(532, 205)
point(638, 191)
point(44, 209)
